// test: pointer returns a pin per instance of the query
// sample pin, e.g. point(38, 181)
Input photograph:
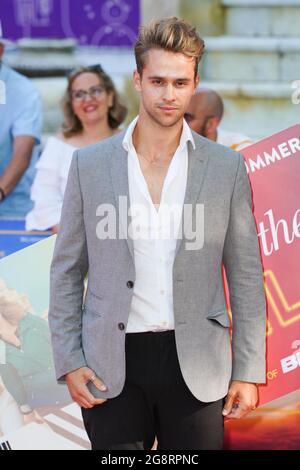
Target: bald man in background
point(204, 115)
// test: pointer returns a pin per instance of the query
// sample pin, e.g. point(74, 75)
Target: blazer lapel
point(197, 166)
point(119, 175)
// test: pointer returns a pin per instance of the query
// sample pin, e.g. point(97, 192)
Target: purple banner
point(91, 22)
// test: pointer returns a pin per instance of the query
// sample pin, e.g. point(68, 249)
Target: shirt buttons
point(130, 284)
point(121, 326)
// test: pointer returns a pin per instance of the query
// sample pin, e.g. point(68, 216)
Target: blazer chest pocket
point(220, 316)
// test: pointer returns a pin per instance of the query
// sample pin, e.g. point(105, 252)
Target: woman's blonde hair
point(170, 34)
point(116, 114)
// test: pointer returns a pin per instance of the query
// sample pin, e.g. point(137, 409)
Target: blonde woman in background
point(92, 112)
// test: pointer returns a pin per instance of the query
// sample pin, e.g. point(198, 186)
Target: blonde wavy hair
point(170, 34)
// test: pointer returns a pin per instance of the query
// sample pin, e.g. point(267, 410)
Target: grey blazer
point(90, 330)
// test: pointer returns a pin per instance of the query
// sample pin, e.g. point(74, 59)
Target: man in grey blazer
point(151, 215)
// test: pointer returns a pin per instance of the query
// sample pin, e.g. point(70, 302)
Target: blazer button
point(130, 284)
point(121, 326)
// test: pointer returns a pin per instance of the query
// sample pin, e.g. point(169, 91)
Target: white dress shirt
point(152, 301)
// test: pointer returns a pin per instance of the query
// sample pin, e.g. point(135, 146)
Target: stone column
point(158, 9)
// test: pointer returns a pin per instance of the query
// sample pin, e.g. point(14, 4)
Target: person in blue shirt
point(20, 132)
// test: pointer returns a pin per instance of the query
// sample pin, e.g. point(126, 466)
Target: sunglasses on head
point(88, 68)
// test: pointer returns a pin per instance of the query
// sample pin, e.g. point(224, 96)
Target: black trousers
point(155, 401)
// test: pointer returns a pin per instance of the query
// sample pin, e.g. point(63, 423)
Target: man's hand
point(55, 229)
point(241, 399)
point(77, 381)
point(20, 161)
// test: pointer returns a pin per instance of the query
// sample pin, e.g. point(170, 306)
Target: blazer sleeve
point(242, 262)
point(68, 270)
